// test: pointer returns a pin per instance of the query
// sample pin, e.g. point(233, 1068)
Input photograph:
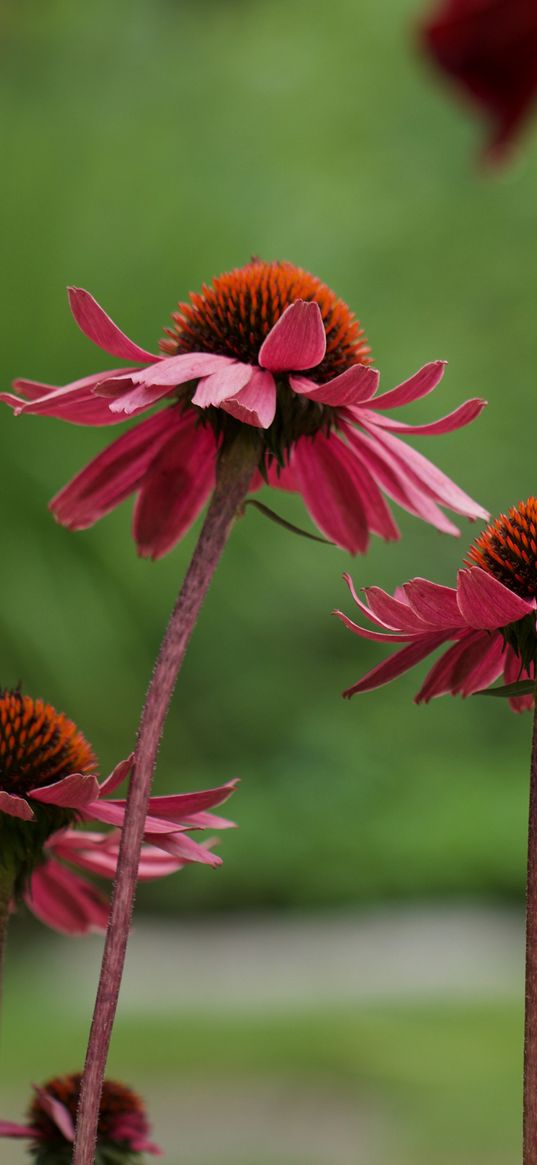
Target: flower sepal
point(522, 637)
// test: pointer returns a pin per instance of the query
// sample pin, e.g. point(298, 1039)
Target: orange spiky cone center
point(507, 549)
point(38, 745)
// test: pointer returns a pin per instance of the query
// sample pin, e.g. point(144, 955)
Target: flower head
point(489, 49)
point(489, 617)
point(267, 350)
point(47, 785)
point(123, 1130)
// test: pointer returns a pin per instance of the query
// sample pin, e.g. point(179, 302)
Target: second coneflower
point(270, 350)
point(490, 620)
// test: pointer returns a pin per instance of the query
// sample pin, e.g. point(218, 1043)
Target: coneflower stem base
point(530, 1024)
point(235, 470)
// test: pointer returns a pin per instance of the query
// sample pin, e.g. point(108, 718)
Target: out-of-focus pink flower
point(489, 50)
point(47, 783)
point(490, 617)
point(266, 346)
point(123, 1128)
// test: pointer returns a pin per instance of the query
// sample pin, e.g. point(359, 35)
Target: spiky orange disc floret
point(121, 1109)
point(38, 745)
point(508, 549)
point(233, 315)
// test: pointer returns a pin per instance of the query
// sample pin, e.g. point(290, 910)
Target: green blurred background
point(147, 146)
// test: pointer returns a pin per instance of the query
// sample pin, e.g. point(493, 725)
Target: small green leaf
point(282, 522)
point(520, 688)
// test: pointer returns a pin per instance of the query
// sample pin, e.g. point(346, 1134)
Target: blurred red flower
point(489, 49)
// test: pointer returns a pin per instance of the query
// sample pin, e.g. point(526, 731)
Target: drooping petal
point(427, 476)
point(398, 484)
point(117, 776)
point(326, 482)
point(477, 655)
point(226, 382)
point(395, 613)
point(72, 792)
point(179, 805)
point(418, 385)
point(352, 387)
point(116, 472)
point(183, 847)
point(513, 671)
point(170, 371)
point(75, 403)
point(256, 403)
point(378, 516)
point(174, 490)
point(463, 415)
point(486, 603)
point(402, 661)
point(10, 1129)
point(98, 327)
point(297, 340)
point(57, 1113)
point(15, 806)
point(375, 636)
point(67, 903)
point(436, 605)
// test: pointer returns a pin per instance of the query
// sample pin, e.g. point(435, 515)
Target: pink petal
point(72, 792)
point(463, 415)
point(183, 847)
point(74, 402)
point(117, 776)
point(15, 806)
point(326, 482)
point(435, 604)
point(357, 384)
point(475, 653)
point(377, 512)
point(9, 1129)
point(297, 340)
point(57, 1113)
point(174, 491)
point(418, 385)
point(398, 484)
point(117, 471)
point(221, 385)
point(179, 805)
point(255, 404)
point(278, 477)
point(487, 603)
point(425, 474)
point(62, 900)
point(402, 661)
point(376, 636)
point(396, 614)
point(97, 326)
point(514, 671)
point(170, 371)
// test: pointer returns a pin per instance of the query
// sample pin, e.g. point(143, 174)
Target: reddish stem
point(236, 466)
point(530, 1026)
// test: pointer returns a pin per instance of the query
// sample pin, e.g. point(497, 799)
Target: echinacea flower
point(123, 1130)
point(266, 349)
point(489, 618)
point(489, 50)
point(47, 784)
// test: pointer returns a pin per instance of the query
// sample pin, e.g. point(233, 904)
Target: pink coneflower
point(489, 617)
point(489, 49)
point(267, 349)
point(123, 1129)
point(47, 783)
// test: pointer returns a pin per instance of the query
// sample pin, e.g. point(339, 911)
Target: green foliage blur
point(151, 144)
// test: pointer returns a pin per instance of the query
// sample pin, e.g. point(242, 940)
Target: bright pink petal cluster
point(489, 617)
point(64, 900)
point(489, 49)
point(270, 347)
point(123, 1125)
